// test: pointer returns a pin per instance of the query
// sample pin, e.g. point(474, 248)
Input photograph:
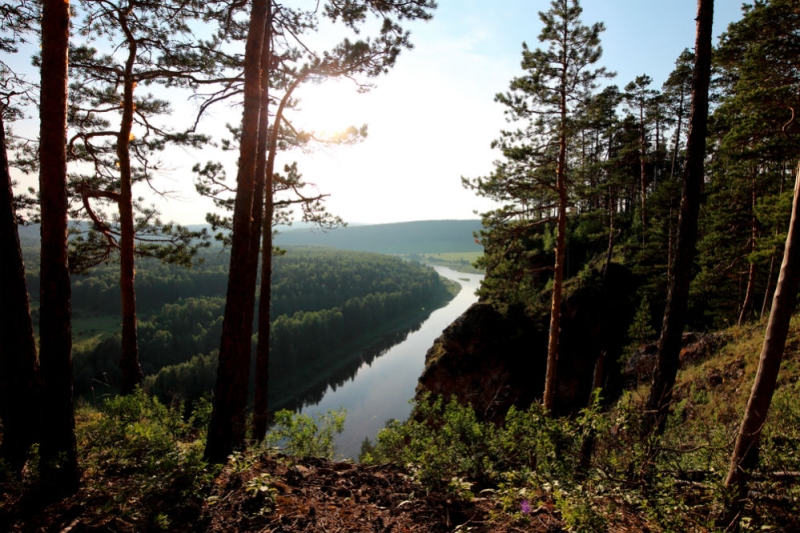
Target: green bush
point(300, 435)
point(445, 441)
point(149, 443)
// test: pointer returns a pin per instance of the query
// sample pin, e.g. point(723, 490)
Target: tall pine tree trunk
point(612, 207)
point(260, 224)
point(765, 302)
point(558, 268)
point(750, 292)
point(129, 360)
point(19, 366)
point(677, 138)
point(261, 407)
point(57, 450)
point(226, 430)
point(745, 451)
point(642, 173)
point(669, 344)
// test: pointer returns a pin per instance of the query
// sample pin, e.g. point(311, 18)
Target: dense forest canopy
point(626, 147)
point(325, 304)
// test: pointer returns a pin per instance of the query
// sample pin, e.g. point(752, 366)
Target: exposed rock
point(494, 360)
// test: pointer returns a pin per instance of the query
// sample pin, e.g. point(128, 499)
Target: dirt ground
point(279, 495)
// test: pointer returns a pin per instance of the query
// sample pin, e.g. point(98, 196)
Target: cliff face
point(494, 360)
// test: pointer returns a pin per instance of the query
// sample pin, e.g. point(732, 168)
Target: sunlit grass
point(88, 331)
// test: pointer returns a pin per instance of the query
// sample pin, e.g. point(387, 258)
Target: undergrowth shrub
point(300, 435)
point(152, 445)
point(445, 441)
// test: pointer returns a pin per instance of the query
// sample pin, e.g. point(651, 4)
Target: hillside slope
point(402, 238)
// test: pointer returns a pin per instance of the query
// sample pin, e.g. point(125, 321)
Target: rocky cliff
point(494, 360)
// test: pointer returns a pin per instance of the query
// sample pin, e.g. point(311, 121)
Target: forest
point(327, 305)
point(685, 196)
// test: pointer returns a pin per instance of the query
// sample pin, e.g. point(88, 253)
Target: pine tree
point(291, 64)
point(756, 138)
point(745, 451)
point(669, 343)
point(118, 133)
point(640, 97)
point(58, 447)
point(534, 180)
point(19, 364)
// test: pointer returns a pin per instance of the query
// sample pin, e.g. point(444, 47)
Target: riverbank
point(345, 360)
point(381, 388)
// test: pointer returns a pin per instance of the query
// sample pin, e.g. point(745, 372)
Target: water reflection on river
point(382, 387)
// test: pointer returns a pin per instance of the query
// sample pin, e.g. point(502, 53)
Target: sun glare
point(330, 110)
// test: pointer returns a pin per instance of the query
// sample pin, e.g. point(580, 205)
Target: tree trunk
point(226, 430)
point(769, 286)
point(261, 408)
point(678, 293)
point(58, 454)
point(642, 172)
point(765, 303)
point(657, 158)
point(129, 359)
point(610, 249)
point(755, 414)
point(261, 223)
point(558, 268)
point(677, 137)
point(750, 293)
point(19, 366)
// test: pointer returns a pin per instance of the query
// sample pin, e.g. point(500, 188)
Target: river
point(381, 390)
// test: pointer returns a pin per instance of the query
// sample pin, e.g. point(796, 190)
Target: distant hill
point(29, 235)
point(419, 237)
point(400, 238)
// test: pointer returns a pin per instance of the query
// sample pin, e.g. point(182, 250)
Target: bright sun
point(330, 108)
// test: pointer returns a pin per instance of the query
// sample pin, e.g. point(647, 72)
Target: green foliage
point(641, 329)
point(322, 301)
point(300, 435)
point(159, 452)
point(579, 513)
point(261, 493)
point(445, 441)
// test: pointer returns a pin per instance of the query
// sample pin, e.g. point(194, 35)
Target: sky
point(432, 118)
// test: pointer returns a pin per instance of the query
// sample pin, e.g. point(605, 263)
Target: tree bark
point(642, 172)
point(261, 223)
point(261, 407)
point(678, 293)
point(226, 430)
point(677, 137)
point(58, 454)
point(558, 268)
point(745, 451)
point(129, 359)
point(611, 229)
point(19, 366)
point(765, 302)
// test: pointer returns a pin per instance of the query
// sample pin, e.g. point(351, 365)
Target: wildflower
point(525, 507)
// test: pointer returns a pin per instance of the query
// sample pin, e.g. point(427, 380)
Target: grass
point(88, 331)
